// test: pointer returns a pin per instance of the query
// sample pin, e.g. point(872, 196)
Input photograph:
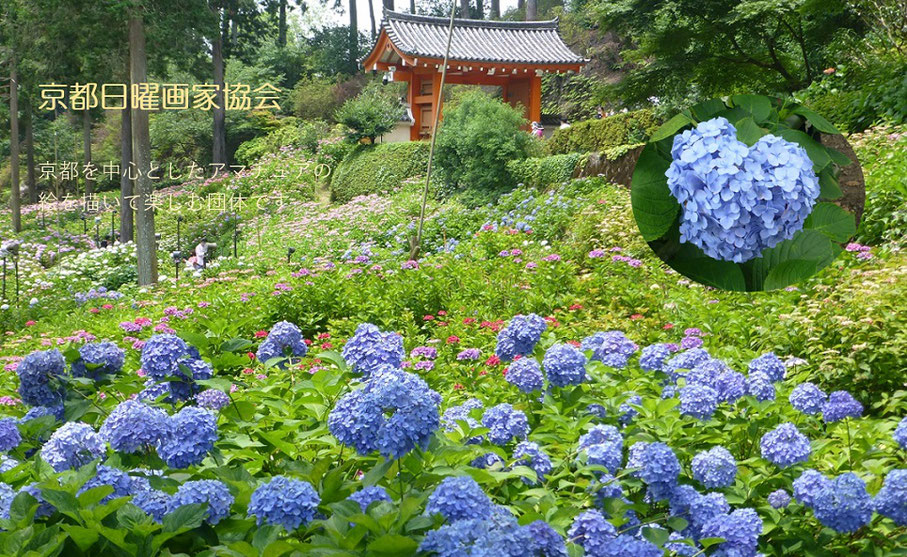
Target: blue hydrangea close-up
point(698, 401)
point(760, 387)
point(841, 405)
point(394, 413)
point(505, 423)
point(213, 492)
point(109, 476)
point(735, 200)
point(731, 386)
point(39, 375)
point(284, 340)
point(785, 446)
point(660, 469)
point(891, 500)
point(370, 348)
point(807, 398)
point(74, 445)
point(9, 434)
point(285, 501)
point(133, 426)
point(212, 399)
point(715, 468)
point(545, 542)
point(654, 356)
point(162, 354)
point(459, 498)
point(526, 375)
point(843, 504)
point(740, 529)
point(520, 336)
point(591, 531)
point(368, 495)
point(611, 348)
point(530, 454)
point(900, 433)
point(565, 365)
point(626, 545)
point(97, 359)
point(190, 436)
point(501, 536)
point(808, 485)
point(769, 364)
point(779, 499)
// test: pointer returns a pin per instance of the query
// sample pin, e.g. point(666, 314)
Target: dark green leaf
point(789, 272)
point(658, 536)
point(235, 345)
point(393, 544)
point(806, 245)
point(84, 537)
point(653, 206)
point(725, 275)
point(757, 105)
point(817, 120)
point(838, 157)
point(828, 185)
point(63, 500)
point(748, 132)
point(707, 109)
point(833, 221)
point(671, 127)
point(185, 517)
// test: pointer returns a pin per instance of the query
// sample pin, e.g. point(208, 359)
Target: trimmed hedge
point(377, 168)
point(600, 135)
point(544, 171)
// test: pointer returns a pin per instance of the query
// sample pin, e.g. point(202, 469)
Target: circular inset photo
point(753, 193)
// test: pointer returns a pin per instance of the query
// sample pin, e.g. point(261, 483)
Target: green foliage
point(626, 128)
point(574, 97)
point(291, 133)
point(378, 168)
point(478, 136)
point(373, 113)
point(545, 171)
point(316, 99)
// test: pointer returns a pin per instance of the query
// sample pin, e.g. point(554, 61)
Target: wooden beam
point(535, 99)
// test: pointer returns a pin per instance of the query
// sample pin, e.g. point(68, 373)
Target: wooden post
point(535, 99)
point(414, 85)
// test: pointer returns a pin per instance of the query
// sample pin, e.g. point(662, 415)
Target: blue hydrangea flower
point(740, 529)
point(284, 340)
point(635, 456)
point(688, 359)
point(715, 468)
point(891, 500)
point(284, 501)
point(760, 387)
point(677, 546)
point(162, 354)
point(660, 469)
point(706, 372)
point(39, 375)
point(530, 454)
point(459, 413)
point(520, 336)
point(6, 499)
point(703, 508)
point(487, 460)
point(212, 399)
point(808, 485)
point(769, 364)
point(526, 375)
point(778, 499)
point(459, 498)
point(807, 398)
point(611, 348)
point(368, 495)
point(190, 436)
point(698, 401)
point(841, 405)
point(597, 410)
point(9, 434)
point(625, 545)
point(213, 492)
point(41, 411)
point(607, 487)
point(767, 190)
point(900, 433)
point(545, 542)
point(603, 446)
point(626, 412)
point(501, 536)
point(843, 504)
point(565, 365)
point(505, 424)
point(591, 531)
point(654, 356)
point(7, 463)
point(601, 434)
point(730, 385)
point(74, 445)
point(113, 477)
point(132, 426)
point(370, 348)
point(97, 359)
point(153, 502)
point(394, 413)
point(785, 446)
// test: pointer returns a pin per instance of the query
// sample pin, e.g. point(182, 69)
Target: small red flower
point(636, 316)
point(326, 346)
point(668, 326)
point(492, 361)
point(574, 343)
point(428, 318)
point(453, 339)
point(468, 320)
point(323, 336)
point(261, 334)
point(107, 306)
point(30, 323)
point(504, 373)
point(458, 387)
point(251, 355)
point(576, 307)
point(307, 342)
point(94, 310)
point(248, 371)
point(483, 373)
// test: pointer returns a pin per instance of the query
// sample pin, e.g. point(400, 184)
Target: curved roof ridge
point(459, 22)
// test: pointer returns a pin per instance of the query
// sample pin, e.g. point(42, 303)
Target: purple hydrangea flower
point(611, 348)
point(74, 445)
point(505, 424)
point(370, 349)
point(769, 364)
point(132, 426)
point(526, 375)
point(97, 359)
point(653, 357)
point(39, 374)
point(778, 499)
point(565, 365)
point(520, 336)
point(212, 399)
point(284, 340)
point(368, 495)
point(9, 434)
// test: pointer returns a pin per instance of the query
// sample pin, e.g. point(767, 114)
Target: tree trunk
point(495, 9)
point(282, 24)
point(354, 35)
point(219, 149)
point(146, 244)
point(412, 6)
point(389, 5)
point(14, 144)
point(126, 191)
point(30, 180)
point(520, 4)
point(532, 7)
point(464, 9)
point(371, 15)
point(480, 9)
point(86, 147)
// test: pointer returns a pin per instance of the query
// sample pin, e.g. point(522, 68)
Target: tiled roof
point(476, 40)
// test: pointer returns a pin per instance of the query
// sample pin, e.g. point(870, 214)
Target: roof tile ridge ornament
point(388, 15)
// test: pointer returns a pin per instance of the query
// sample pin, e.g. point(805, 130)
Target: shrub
point(315, 99)
point(544, 171)
point(291, 133)
point(377, 168)
point(478, 137)
point(371, 114)
point(599, 135)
